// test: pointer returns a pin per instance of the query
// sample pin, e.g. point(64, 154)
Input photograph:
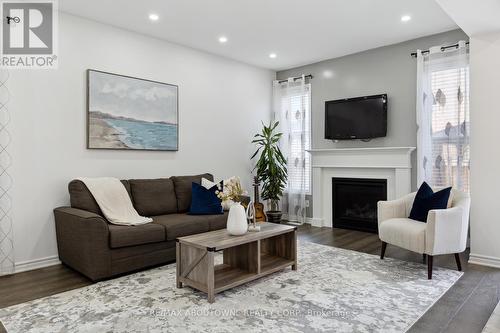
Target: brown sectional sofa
point(99, 250)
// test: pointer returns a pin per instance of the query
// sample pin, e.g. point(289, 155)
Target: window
point(450, 127)
point(296, 108)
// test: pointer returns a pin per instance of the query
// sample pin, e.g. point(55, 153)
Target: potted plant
point(271, 168)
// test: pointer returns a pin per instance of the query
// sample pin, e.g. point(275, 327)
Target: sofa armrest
point(391, 209)
point(245, 199)
point(444, 231)
point(80, 213)
point(83, 241)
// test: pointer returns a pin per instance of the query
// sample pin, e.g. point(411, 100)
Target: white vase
point(226, 204)
point(237, 220)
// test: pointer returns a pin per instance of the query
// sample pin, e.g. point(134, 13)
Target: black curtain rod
point(443, 48)
point(308, 76)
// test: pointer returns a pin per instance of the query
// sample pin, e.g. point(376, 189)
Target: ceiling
point(298, 31)
point(474, 17)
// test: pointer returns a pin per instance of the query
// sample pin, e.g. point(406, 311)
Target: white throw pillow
point(226, 204)
point(207, 183)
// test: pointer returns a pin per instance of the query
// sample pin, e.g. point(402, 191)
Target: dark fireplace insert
point(354, 202)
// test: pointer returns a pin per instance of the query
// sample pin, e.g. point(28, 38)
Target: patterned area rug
point(334, 290)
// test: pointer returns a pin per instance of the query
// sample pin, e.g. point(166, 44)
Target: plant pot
point(274, 216)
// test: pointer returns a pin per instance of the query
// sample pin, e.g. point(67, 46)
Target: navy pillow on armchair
point(204, 201)
point(426, 200)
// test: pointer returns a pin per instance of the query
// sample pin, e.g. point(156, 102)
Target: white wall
point(485, 154)
point(221, 104)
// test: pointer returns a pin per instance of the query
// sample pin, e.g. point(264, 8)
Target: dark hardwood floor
point(465, 308)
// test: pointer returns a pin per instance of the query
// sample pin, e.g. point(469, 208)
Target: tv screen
point(356, 118)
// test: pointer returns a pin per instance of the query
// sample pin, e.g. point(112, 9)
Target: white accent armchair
point(444, 233)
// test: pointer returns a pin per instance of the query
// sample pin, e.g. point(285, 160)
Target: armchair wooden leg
point(457, 259)
point(382, 251)
point(424, 257)
point(429, 267)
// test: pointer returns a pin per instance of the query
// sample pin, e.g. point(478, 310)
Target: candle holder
point(251, 218)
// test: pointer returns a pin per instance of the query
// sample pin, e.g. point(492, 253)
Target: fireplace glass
point(354, 202)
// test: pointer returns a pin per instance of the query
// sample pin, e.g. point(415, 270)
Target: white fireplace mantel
point(390, 163)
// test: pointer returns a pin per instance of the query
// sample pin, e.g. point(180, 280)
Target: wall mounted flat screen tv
point(356, 118)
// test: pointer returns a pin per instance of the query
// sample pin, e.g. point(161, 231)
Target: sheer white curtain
point(6, 236)
point(443, 121)
point(292, 108)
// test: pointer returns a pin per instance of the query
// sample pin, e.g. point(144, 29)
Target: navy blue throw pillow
point(203, 201)
point(426, 200)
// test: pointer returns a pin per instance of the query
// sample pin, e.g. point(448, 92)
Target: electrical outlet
point(307, 203)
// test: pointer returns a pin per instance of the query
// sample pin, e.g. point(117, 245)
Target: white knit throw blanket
point(114, 201)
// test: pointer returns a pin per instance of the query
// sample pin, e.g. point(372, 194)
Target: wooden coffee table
point(245, 258)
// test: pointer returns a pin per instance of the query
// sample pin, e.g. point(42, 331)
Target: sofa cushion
point(141, 251)
point(178, 225)
point(217, 222)
point(81, 198)
point(183, 185)
point(122, 235)
point(153, 196)
point(403, 232)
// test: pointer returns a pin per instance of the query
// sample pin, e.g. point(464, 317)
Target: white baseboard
point(482, 260)
point(293, 219)
point(315, 222)
point(29, 265)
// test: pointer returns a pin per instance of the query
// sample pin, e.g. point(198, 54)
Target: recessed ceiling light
point(222, 39)
point(272, 55)
point(405, 18)
point(153, 17)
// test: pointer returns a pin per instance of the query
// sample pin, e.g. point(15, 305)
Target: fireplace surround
point(390, 163)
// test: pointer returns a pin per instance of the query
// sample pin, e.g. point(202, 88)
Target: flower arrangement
point(231, 192)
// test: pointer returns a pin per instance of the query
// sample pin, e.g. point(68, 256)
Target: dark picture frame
point(130, 113)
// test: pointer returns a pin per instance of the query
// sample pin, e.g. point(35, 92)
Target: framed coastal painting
point(129, 113)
